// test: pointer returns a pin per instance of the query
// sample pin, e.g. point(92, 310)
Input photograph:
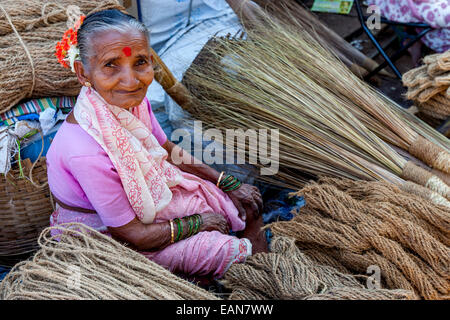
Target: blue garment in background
point(3, 272)
point(279, 209)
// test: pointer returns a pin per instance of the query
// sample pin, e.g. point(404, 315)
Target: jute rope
point(431, 154)
point(85, 264)
point(428, 85)
point(33, 71)
point(423, 177)
point(28, 35)
point(405, 235)
point(417, 206)
point(433, 109)
point(443, 61)
point(288, 273)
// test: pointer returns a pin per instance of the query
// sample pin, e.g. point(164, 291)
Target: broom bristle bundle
point(289, 81)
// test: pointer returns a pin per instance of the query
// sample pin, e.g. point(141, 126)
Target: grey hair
point(106, 20)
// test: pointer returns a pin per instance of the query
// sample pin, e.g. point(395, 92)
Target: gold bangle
point(171, 231)
point(220, 177)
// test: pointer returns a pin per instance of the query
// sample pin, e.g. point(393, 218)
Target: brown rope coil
point(287, 273)
point(29, 31)
point(428, 85)
point(406, 236)
point(85, 264)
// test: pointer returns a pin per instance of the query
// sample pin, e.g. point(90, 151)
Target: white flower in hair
point(67, 50)
point(73, 54)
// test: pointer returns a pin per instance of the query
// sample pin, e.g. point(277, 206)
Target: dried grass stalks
point(305, 20)
point(28, 66)
point(360, 224)
point(370, 107)
point(85, 264)
point(330, 122)
point(287, 273)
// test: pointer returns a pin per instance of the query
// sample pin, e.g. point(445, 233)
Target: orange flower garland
point(69, 39)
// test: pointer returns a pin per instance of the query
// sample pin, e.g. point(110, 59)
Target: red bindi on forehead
point(127, 51)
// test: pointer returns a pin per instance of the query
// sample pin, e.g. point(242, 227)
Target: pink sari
point(203, 254)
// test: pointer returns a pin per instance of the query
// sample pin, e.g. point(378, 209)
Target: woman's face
point(120, 67)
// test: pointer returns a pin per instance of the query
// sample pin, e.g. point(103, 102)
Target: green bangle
point(197, 223)
point(191, 226)
point(227, 178)
point(200, 218)
point(180, 229)
point(236, 186)
point(230, 183)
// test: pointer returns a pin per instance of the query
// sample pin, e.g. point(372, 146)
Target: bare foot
point(254, 233)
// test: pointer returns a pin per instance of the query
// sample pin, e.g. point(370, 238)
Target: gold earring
point(87, 84)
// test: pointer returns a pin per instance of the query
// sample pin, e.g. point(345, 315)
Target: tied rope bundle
point(353, 225)
point(85, 264)
point(29, 31)
point(286, 273)
point(429, 85)
point(330, 122)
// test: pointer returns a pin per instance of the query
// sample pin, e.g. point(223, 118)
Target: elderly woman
point(110, 164)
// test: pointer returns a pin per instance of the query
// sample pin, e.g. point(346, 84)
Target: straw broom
point(395, 130)
point(249, 19)
point(182, 96)
point(378, 111)
point(294, 13)
point(270, 71)
point(418, 125)
point(371, 108)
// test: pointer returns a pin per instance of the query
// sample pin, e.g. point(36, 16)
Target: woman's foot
point(202, 281)
point(253, 231)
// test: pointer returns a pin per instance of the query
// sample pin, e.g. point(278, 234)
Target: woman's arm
point(188, 163)
point(247, 198)
point(157, 236)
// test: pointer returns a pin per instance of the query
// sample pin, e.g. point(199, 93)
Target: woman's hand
point(248, 201)
point(214, 221)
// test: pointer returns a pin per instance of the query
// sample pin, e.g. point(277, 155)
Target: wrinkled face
point(120, 67)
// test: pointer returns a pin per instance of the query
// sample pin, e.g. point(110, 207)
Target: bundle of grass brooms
point(81, 263)
point(429, 85)
point(286, 273)
point(306, 21)
point(355, 225)
point(29, 31)
point(329, 121)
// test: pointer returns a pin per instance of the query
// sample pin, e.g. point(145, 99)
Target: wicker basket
point(24, 211)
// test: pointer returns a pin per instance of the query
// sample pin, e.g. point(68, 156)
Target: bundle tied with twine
point(29, 31)
point(429, 85)
point(287, 273)
point(372, 108)
point(82, 263)
point(353, 225)
point(330, 122)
